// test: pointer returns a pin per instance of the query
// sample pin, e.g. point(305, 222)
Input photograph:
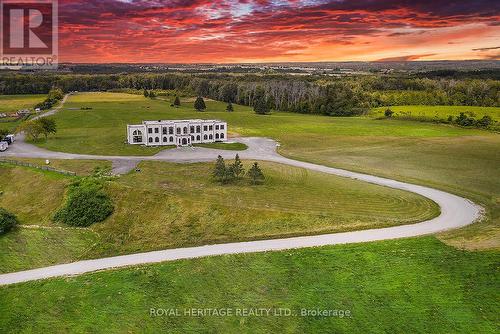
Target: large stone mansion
point(177, 132)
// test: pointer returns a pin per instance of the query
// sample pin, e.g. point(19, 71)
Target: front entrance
point(184, 141)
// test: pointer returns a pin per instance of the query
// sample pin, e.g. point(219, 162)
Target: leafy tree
point(237, 167)
point(87, 203)
point(229, 107)
point(260, 105)
point(55, 94)
point(32, 129)
point(255, 174)
point(7, 221)
point(177, 101)
point(152, 94)
point(146, 93)
point(199, 104)
point(48, 126)
point(3, 133)
point(388, 113)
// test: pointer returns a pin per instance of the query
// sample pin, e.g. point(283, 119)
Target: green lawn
point(102, 130)
point(463, 161)
point(441, 112)
point(168, 205)
point(406, 286)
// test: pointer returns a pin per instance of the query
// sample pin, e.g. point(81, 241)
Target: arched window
point(221, 136)
point(205, 137)
point(165, 139)
point(171, 139)
point(157, 140)
point(150, 139)
point(171, 131)
point(192, 138)
point(198, 137)
point(216, 136)
point(198, 129)
point(185, 130)
point(210, 137)
point(137, 136)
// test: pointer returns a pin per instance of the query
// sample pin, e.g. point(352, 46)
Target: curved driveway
point(455, 211)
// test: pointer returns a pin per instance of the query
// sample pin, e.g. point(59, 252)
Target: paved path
point(456, 211)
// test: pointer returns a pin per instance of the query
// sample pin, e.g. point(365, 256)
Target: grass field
point(440, 112)
point(406, 286)
point(463, 161)
point(12, 103)
point(171, 205)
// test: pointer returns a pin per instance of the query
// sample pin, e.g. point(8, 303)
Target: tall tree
point(199, 104)
point(219, 171)
point(32, 129)
point(48, 126)
point(255, 174)
point(260, 105)
point(237, 167)
point(177, 101)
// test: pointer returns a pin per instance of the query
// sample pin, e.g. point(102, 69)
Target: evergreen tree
point(229, 107)
point(260, 105)
point(146, 93)
point(177, 101)
point(199, 104)
point(219, 172)
point(255, 174)
point(237, 167)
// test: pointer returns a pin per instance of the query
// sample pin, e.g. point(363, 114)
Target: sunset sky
point(223, 31)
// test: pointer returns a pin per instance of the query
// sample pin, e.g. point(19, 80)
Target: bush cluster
point(87, 203)
point(7, 221)
point(55, 94)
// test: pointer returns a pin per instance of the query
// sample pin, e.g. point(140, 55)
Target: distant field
point(403, 286)
point(170, 205)
point(440, 111)
point(12, 103)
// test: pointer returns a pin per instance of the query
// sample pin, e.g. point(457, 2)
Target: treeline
point(326, 95)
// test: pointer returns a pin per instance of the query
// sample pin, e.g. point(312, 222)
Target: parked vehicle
point(9, 139)
point(3, 146)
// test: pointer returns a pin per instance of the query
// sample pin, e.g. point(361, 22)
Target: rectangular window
point(222, 127)
point(210, 127)
point(205, 128)
point(216, 127)
point(150, 130)
point(171, 131)
point(157, 130)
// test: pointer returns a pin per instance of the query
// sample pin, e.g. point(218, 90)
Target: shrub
point(7, 221)
point(87, 203)
point(388, 112)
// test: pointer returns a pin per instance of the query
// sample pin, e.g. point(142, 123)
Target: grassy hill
point(170, 205)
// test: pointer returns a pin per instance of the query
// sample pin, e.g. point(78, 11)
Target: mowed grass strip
point(402, 286)
point(168, 205)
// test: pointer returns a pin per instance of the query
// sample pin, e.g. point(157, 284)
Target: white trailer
point(3, 146)
point(10, 139)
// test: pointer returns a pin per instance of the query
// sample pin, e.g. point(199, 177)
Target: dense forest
point(335, 96)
